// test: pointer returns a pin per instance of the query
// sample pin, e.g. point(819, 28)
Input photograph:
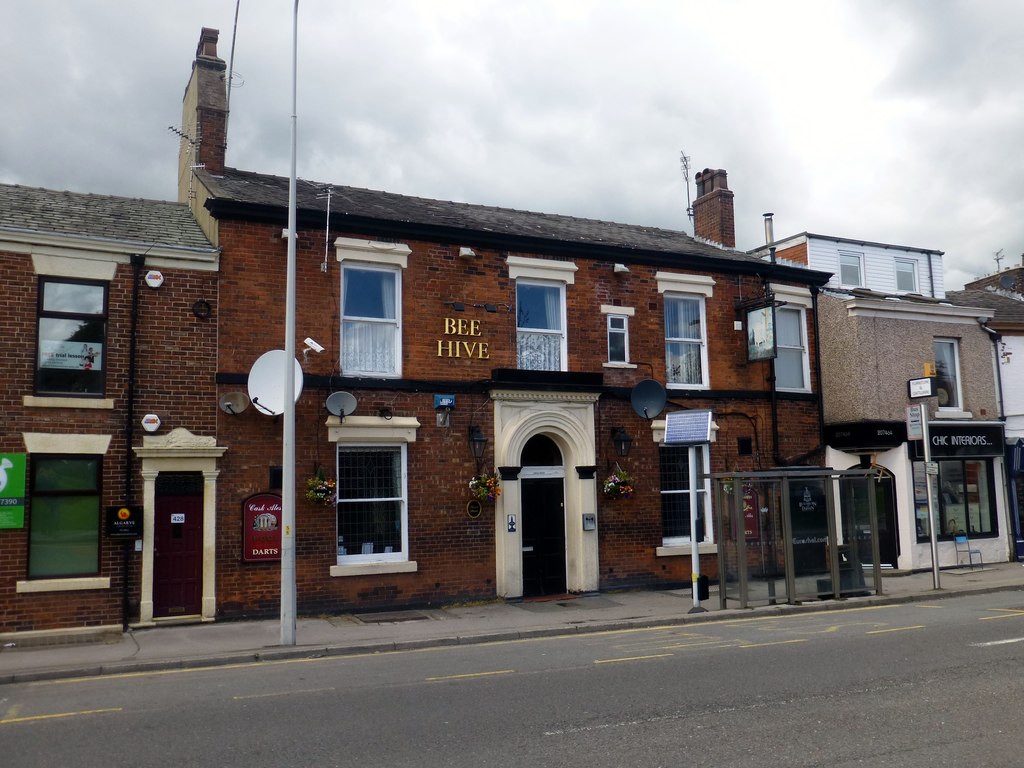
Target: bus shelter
point(796, 534)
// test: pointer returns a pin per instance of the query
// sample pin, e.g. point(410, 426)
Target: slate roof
point(270, 193)
point(134, 221)
point(1009, 307)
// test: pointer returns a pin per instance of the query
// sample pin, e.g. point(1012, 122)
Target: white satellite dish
point(648, 398)
point(266, 381)
point(233, 402)
point(340, 404)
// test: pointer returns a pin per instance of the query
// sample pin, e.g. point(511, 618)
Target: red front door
point(178, 545)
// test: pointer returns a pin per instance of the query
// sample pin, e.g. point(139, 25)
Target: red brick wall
point(454, 553)
point(174, 359)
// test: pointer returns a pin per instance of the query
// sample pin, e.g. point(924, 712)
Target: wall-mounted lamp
point(456, 306)
point(620, 269)
point(621, 440)
point(466, 253)
point(477, 443)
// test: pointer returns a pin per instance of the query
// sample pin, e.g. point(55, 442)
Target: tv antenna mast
point(999, 260)
point(684, 164)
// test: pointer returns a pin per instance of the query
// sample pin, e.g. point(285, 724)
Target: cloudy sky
point(899, 121)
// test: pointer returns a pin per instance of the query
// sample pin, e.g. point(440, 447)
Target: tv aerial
point(648, 398)
point(266, 385)
point(233, 402)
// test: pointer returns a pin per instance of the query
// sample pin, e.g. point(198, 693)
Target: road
point(921, 684)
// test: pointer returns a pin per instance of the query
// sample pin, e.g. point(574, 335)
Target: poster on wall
point(261, 527)
point(70, 355)
point(761, 333)
point(12, 490)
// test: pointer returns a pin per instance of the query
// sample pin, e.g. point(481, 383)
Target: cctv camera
point(313, 345)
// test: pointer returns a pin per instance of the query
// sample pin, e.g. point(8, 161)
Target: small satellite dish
point(1006, 281)
point(648, 398)
point(266, 381)
point(340, 404)
point(233, 402)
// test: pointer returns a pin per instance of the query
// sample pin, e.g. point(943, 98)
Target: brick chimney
point(713, 217)
point(204, 113)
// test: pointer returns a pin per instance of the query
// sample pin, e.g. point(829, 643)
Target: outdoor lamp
point(477, 441)
point(621, 440)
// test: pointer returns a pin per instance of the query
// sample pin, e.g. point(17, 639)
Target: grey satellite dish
point(266, 381)
point(648, 398)
point(340, 404)
point(233, 402)
point(1006, 281)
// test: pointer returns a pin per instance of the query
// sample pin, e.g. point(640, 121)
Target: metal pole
point(288, 461)
point(694, 542)
point(933, 533)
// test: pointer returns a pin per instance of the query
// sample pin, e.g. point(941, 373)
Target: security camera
point(313, 345)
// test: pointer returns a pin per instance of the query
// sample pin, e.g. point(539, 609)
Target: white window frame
point(850, 261)
point(909, 266)
point(380, 557)
point(958, 381)
point(703, 492)
point(396, 323)
point(703, 341)
point(623, 313)
point(561, 332)
point(803, 347)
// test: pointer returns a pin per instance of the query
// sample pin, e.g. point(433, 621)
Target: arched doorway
point(542, 481)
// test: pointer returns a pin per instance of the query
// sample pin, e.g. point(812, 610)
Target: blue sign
point(444, 401)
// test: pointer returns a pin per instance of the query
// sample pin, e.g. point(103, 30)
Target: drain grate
point(391, 617)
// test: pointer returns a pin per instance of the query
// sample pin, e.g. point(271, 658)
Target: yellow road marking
point(280, 693)
point(779, 642)
point(30, 718)
point(894, 629)
point(471, 674)
point(632, 658)
point(1009, 613)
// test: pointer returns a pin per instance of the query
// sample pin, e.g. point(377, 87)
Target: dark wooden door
point(543, 521)
point(178, 545)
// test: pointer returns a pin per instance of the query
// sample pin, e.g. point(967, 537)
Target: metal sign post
point(917, 429)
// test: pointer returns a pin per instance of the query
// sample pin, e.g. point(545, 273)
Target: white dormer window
point(906, 276)
point(851, 274)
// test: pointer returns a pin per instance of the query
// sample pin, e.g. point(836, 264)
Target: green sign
point(12, 490)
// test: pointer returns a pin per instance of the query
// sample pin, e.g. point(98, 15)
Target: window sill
point(676, 550)
point(63, 585)
point(99, 403)
point(953, 413)
point(619, 365)
point(373, 569)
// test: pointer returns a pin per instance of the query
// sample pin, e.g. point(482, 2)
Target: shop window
point(540, 326)
point(64, 520)
point(947, 373)
point(685, 342)
point(71, 339)
point(850, 275)
point(372, 507)
point(675, 493)
point(965, 497)
point(370, 321)
point(792, 367)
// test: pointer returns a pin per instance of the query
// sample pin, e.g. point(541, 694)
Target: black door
point(178, 545)
point(543, 528)
point(885, 510)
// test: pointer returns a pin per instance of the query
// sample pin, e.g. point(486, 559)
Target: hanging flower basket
point(321, 490)
point(485, 487)
point(619, 484)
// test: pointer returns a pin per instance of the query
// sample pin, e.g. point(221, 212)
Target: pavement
point(184, 646)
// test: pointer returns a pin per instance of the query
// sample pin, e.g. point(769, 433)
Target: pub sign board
point(261, 527)
point(124, 522)
point(12, 490)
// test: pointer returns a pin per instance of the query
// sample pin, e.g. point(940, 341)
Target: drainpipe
point(138, 261)
point(815, 291)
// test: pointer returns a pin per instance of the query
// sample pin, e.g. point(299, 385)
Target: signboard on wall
point(124, 522)
point(261, 527)
point(12, 490)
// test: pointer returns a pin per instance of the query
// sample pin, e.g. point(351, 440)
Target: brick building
point(105, 327)
point(450, 326)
